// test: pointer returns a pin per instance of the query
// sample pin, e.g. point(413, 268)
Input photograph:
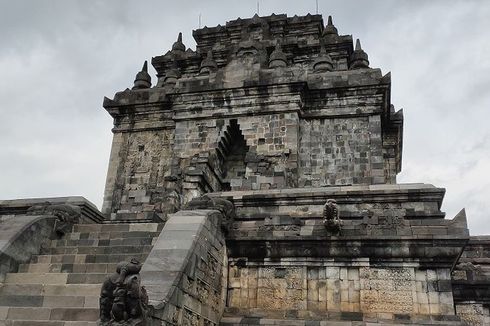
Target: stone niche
point(254, 153)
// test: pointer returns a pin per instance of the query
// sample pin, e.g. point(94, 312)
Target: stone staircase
point(61, 286)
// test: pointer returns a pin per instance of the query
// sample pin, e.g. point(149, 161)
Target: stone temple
point(252, 182)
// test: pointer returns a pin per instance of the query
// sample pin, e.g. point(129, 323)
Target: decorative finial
point(178, 46)
point(358, 45)
point(330, 30)
point(359, 58)
point(208, 64)
point(172, 75)
point(142, 79)
point(278, 58)
point(324, 62)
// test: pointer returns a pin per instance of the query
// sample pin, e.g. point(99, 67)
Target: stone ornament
point(278, 58)
point(208, 64)
point(142, 79)
point(330, 29)
point(123, 301)
point(226, 208)
point(359, 58)
point(331, 218)
point(66, 215)
point(178, 47)
point(323, 62)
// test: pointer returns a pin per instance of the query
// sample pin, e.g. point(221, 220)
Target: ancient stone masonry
point(273, 150)
point(262, 103)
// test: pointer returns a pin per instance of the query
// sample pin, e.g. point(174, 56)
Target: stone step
point(83, 258)
point(110, 235)
point(49, 301)
point(55, 278)
point(94, 250)
point(143, 241)
point(61, 286)
point(36, 278)
point(48, 323)
point(68, 268)
point(87, 290)
point(45, 314)
point(118, 227)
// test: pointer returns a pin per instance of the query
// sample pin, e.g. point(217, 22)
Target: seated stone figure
point(331, 218)
point(123, 301)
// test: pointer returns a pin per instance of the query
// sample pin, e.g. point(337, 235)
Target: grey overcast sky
point(59, 58)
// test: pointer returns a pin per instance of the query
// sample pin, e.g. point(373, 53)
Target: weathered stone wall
point(391, 260)
point(327, 285)
point(340, 152)
point(302, 126)
point(473, 313)
point(138, 165)
point(185, 273)
point(471, 282)
point(271, 157)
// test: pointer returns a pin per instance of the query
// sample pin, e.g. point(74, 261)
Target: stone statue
point(331, 218)
point(226, 208)
point(123, 301)
point(66, 215)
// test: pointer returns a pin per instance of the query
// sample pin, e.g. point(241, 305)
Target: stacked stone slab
point(61, 285)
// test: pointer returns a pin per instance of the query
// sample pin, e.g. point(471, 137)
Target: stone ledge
point(427, 253)
point(90, 212)
point(343, 194)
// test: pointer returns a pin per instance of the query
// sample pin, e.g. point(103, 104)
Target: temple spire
point(359, 58)
point(178, 46)
point(142, 79)
point(358, 45)
point(330, 30)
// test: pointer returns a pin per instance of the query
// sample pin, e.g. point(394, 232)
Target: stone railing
point(25, 224)
point(185, 273)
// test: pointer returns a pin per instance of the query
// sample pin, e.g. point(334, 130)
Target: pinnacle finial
point(178, 45)
point(323, 62)
point(358, 45)
point(330, 31)
point(142, 79)
point(359, 58)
